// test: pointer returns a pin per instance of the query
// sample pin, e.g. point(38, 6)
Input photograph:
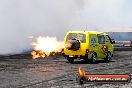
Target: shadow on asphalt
point(87, 62)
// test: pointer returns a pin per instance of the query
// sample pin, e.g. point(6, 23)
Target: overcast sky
point(20, 19)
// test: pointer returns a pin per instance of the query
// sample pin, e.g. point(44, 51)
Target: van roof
point(89, 32)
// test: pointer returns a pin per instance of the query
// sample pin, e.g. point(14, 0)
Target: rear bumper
point(75, 56)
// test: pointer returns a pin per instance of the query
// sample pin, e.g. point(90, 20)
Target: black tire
point(86, 58)
point(93, 58)
point(108, 57)
point(70, 59)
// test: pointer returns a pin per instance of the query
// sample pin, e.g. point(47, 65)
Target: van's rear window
point(77, 36)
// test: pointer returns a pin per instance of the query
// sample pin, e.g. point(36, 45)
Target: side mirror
point(113, 42)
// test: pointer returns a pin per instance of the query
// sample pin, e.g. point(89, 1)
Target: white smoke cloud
point(101, 13)
point(20, 19)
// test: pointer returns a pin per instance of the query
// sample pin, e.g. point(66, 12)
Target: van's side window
point(101, 39)
point(93, 40)
point(107, 39)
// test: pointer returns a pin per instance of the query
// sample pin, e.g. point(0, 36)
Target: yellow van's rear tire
point(70, 59)
point(86, 58)
point(108, 57)
point(93, 58)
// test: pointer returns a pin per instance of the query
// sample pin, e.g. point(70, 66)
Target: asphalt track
point(20, 71)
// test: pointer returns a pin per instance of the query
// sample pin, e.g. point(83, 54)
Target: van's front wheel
point(108, 57)
point(70, 59)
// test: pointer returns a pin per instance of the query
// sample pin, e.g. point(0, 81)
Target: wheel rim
point(70, 60)
point(94, 58)
point(109, 57)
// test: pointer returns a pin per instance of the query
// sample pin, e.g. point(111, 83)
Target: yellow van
point(88, 45)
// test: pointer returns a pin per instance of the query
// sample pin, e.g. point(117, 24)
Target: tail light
point(87, 51)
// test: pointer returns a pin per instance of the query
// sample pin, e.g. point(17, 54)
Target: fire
point(81, 71)
point(68, 45)
point(37, 54)
point(44, 46)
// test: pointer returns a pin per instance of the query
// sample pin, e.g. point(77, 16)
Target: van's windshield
point(77, 36)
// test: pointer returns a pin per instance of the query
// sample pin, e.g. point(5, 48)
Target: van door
point(101, 46)
point(93, 43)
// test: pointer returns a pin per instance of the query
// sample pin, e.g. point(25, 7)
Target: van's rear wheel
point(108, 57)
point(86, 58)
point(70, 59)
point(93, 58)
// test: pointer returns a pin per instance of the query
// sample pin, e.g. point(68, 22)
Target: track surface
point(56, 72)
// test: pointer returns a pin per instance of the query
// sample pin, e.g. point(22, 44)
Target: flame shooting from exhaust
point(44, 46)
